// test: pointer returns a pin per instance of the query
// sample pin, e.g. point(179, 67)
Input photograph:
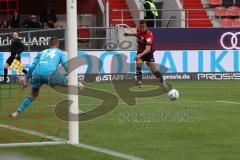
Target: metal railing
point(122, 28)
point(37, 40)
point(98, 37)
point(186, 12)
point(31, 37)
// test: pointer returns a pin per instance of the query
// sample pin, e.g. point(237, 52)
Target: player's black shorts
point(11, 59)
point(148, 57)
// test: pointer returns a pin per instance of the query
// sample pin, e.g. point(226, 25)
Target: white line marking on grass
point(63, 141)
point(108, 151)
point(29, 144)
point(229, 102)
point(34, 133)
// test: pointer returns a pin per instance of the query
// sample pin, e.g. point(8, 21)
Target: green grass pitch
point(203, 124)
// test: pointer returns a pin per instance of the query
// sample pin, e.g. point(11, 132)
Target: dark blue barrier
point(194, 38)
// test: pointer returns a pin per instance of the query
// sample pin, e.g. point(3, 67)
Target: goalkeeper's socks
point(5, 74)
point(25, 104)
point(24, 71)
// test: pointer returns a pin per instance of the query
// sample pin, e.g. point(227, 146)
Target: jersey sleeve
point(63, 61)
point(149, 39)
point(34, 64)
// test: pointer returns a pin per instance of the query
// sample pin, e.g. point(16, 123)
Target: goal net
point(39, 124)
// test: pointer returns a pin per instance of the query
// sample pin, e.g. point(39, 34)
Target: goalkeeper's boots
point(15, 114)
point(80, 86)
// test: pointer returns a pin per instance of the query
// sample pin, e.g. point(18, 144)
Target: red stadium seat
point(237, 22)
point(83, 32)
point(215, 2)
point(233, 11)
point(226, 22)
point(221, 12)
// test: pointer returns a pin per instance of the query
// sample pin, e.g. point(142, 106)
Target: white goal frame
point(73, 126)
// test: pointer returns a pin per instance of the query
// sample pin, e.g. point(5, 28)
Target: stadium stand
point(197, 15)
point(86, 11)
point(227, 2)
point(237, 22)
point(227, 12)
point(7, 7)
point(215, 2)
point(119, 4)
point(221, 12)
point(226, 22)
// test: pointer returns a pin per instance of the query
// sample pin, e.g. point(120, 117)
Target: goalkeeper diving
point(44, 70)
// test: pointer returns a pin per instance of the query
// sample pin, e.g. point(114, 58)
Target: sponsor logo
point(109, 77)
point(2, 79)
point(149, 76)
point(230, 40)
point(38, 41)
point(219, 76)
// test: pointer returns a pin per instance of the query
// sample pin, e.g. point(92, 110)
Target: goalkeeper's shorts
point(54, 79)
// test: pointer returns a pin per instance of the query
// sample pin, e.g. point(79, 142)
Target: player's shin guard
point(25, 104)
point(5, 74)
point(139, 74)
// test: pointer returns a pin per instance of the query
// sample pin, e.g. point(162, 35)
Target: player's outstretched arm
point(63, 61)
point(130, 34)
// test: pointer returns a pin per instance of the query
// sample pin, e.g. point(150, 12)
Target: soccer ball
point(173, 94)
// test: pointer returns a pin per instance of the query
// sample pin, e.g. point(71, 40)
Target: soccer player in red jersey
point(145, 53)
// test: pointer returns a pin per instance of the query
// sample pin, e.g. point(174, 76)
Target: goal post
point(72, 49)
point(45, 127)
